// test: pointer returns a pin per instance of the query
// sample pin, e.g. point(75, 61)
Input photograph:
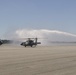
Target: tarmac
point(41, 60)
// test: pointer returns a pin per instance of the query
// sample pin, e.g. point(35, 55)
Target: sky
point(38, 14)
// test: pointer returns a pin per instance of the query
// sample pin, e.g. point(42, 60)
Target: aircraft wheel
point(31, 45)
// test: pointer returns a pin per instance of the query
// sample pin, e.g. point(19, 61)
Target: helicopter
point(32, 42)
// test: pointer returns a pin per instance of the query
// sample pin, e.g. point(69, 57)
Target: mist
point(45, 36)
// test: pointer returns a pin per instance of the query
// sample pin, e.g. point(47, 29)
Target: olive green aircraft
point(32, 42)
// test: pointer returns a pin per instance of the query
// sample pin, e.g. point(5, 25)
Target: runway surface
point(54, 60)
